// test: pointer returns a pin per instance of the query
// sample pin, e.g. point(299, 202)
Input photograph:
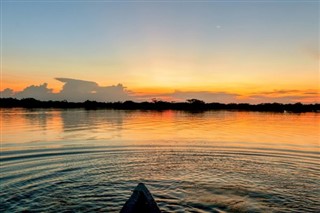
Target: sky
point(217, 51)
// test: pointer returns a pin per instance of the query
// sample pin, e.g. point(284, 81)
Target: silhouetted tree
point(192, 105)
point(195, 101)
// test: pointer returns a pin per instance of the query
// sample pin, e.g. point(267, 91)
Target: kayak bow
point(141, 201)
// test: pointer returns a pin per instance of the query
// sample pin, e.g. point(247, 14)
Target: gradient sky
point(249, 48)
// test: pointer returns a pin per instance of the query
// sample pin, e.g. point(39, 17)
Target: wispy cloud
point(285, 96)
point(283, 99)
point(276, 92)
point(178, 95)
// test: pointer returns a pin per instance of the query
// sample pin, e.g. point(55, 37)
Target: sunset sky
point(226, 51)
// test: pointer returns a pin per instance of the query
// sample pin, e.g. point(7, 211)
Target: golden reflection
point(223, 128)
point(25, 126)
point(160, 128)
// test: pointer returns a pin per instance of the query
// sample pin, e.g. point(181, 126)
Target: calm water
point(86, 161)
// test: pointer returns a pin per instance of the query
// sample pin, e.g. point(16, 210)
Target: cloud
point(206, 96)
point(280, 96)
point(73, 90)
point(7, 93)
point(277, 92)
point(284, 99)
point(311, 93)
point(41, 92)
point(285, 96)
point(79, 90)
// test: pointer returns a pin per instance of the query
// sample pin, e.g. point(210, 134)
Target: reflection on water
point(220, 161)
point(115, 127)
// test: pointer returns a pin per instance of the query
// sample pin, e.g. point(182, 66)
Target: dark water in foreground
point(86, 161)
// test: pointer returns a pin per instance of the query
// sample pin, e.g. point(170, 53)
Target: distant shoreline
point(193, 105)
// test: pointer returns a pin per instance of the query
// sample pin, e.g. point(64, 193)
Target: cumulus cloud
point(7, 93)
point(41, 92)
point(79, 90)
point(73, 90)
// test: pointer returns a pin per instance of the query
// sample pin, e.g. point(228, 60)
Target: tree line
point(194, 105)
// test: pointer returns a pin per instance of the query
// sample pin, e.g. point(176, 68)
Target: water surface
point(217, 161)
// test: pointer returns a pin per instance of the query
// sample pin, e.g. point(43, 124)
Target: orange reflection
point(25, 126)
point(160, 128)
point(221, 128)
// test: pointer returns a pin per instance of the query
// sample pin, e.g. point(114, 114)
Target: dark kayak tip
point(141, 201)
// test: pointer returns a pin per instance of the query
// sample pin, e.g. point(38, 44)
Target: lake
point(216, 161)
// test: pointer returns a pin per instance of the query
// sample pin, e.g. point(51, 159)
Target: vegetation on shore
point(189, 105)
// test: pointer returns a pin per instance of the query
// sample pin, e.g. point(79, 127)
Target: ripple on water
point(182, 180)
